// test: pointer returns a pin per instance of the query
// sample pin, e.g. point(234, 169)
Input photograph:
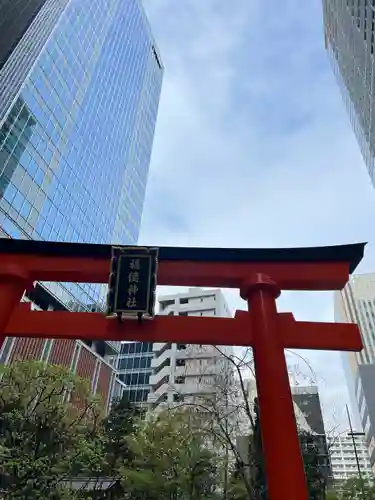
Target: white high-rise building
point(356, 304)
point(184, 372)
point(343, 456)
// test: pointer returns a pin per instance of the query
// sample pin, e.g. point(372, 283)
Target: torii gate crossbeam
point(260, 275)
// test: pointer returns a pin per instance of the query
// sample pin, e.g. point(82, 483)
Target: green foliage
point(256, 481)
point(357, 489)
point(169, 461)
point(112, 447)
point(331, 495)
point(237, 488)
point(43, 436)
point(312, 459)
point(260, 481)
point(52, 432)
point(118, 426)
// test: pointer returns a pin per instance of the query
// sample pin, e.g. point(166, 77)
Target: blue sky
point(254, 147)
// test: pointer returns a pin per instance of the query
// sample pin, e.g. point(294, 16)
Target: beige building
point(356, 304)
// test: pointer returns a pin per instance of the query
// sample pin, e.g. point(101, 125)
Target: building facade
point(308, 407)
point(85, 359)
point(306, 404)
point(184, 372)
point(349, 27)
point(344, 451)
point(356, 304)
point(309, 419)
point(134, 370)
point(80, 88)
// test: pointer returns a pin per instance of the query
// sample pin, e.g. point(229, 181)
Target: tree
point(170, 461)
point(118, 426)
point(260, 481)
point(226, 414)
point(314, 465)
point(112, 450)
point(236, 489)
point(331, 495)
point(357, 488)
point(230, 415)
point(47, 421)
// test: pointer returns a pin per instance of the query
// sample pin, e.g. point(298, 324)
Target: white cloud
point(253, 146)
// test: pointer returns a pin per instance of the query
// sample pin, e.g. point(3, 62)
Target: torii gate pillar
point(13, 283)
point(278, 423)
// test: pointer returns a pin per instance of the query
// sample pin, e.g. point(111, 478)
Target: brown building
point(88, 360)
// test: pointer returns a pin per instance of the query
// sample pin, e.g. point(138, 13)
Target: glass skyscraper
point(80, 82)
point(349, 27)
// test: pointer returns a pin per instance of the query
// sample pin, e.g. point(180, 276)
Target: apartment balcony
point(194, 306)
point(157, 377)
point(179, 371)
point(157, 361)
point(196, 388)
point(201, 352)
point(158, 346)
point(163, 389)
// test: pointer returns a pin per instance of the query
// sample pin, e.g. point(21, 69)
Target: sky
point(254, 148)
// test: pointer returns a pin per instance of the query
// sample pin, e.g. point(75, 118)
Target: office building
point(349, 27)
point(134, 370)
point(309, 419)
point(356, 304)
point(80, 82)
point(80, 87)
point(85, 359)
point(344, 451)
point(183, 372)
point(307, 404)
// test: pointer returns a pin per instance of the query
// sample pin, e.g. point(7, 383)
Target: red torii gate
point(259, 274)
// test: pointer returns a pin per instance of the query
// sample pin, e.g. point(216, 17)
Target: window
point(95, 378)
point(147, 346)
point(11, 228)
point(184, 301)
point(180, 380)
point(182, 313)
point(180, 362)
point(178, 398)
point(77, 351)
point(131, 395)
point(46, 350)
point(181, 347)
point(8, 343)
